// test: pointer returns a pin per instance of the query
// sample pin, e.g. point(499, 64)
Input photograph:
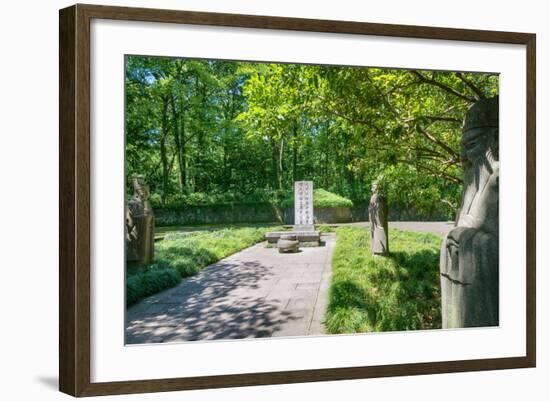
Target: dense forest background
point(214, 132)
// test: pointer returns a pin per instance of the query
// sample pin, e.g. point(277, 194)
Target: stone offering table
point(303, 229)
point(305, 238)
point(288, 244)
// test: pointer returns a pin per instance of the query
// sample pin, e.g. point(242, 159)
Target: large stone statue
point(140, 226)
point(469, 253)
point(378, 217)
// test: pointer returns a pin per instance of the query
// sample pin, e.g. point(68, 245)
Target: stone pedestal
point(305, 238)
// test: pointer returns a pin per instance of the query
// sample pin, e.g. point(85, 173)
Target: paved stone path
point(254, 293)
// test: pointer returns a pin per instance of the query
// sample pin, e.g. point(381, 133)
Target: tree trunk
point(163, 155)
point(198, 168)
point(295, 155)
point(226, 166)
point(178, 135)
point(274, 167)
point(281, 163)
point(325, 170)
point(198, 162)
point(182, 153)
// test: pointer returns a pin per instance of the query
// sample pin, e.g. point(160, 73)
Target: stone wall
point(267, 213)
point(360, 212)
point(326, 215)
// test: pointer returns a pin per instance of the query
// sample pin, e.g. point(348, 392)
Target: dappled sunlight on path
point(254, 293)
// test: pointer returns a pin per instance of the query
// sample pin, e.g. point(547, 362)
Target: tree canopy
point(227, 130)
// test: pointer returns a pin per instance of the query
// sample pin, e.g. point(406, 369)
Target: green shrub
point(325, 228)
point(375, 293)
point(322, 199)
point(154, 199)
point(149, 282)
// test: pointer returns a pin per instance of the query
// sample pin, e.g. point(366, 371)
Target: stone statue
point(140, 226)
point(378, 216)
point(470, 251)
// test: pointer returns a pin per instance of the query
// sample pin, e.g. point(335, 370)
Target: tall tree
point(205, 129)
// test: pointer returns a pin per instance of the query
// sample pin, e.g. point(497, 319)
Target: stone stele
point(304, 229)
point(470, 251)
point(303, 206)
point(378, 217)
point(140, 227)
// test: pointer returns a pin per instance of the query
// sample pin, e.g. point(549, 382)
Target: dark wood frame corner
point(74, 199)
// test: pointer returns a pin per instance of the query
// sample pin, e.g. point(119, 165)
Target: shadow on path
point(225, 301)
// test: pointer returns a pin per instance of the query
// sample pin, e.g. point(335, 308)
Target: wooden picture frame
point(75, 203)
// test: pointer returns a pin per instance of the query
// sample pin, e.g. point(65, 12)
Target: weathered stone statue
point(140, 226)
point(378, 217)
point(470, 251)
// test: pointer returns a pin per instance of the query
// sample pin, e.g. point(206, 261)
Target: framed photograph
point(250, 200)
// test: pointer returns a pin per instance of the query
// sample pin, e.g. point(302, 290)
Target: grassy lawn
point(373, 293)
point(183, 254)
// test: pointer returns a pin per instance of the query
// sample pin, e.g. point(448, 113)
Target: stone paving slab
point(257, 292)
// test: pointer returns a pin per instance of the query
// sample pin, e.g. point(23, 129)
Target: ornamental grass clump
point(374, 293)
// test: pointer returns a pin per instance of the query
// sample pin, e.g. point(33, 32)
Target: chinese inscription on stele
point(303, 205)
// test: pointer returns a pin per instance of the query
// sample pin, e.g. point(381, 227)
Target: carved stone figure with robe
point(470, 251)
point(378, 217)
point(140, 226)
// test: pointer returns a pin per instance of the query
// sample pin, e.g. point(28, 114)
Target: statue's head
point(479, 142)
point(141, 188)
point(378, 185)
